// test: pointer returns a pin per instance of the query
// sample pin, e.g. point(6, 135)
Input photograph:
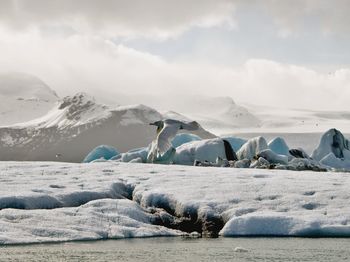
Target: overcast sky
point(292, 53)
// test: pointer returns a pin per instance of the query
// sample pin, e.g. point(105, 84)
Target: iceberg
point(137, 153)
point(332, 161)
point(103, 152)
point(184, 138)
point(333, 141)
point(279, 146)
point(333, 150)
point(272, 157)
point(207, 150)
point(251, 148)
point(235, 142)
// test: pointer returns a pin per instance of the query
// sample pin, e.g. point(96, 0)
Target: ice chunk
point(98, 160)
point(184, 138)
point(102, 151)
point(235, 142)
point(305, 164)
point(240, 249)
point(244, 163)
point(261, 225)
point(298, 153)
point(272, 224)
point(272, 157)
point(219, 163)
point(204, 150)
point(279, 146)
point(251, 148)
point(260, 163)
point(136, 160)
point(332, 161)
point(135, 154)
point(334, 142)
point(99, 219)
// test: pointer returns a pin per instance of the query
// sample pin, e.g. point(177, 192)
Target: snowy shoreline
point(54, 202)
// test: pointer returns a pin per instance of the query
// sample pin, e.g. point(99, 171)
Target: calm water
point(180, 249)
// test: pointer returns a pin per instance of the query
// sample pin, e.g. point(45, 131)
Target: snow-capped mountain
point(222, 114)
point(219, 115)
point(23, 97)
point(76, 125)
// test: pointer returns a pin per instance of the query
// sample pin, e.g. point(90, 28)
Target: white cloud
point(66, 43)
point(102, 68)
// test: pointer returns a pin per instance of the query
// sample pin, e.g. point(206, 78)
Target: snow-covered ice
point(44, 202)
point(203, 150)
point(184, 138)
point(251, 148)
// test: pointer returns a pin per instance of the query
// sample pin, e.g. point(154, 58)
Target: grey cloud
point(293, 15)
point(116, 16)
point(168, 17)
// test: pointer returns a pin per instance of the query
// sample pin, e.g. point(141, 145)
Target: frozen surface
point(57, 201)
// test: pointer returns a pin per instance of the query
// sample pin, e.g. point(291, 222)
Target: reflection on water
point(180, 249)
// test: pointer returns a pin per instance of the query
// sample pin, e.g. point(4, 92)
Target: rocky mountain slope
point(76, 125)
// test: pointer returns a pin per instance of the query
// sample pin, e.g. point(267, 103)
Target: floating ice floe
point(64, 202)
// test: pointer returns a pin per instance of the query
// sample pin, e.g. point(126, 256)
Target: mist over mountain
point(24, 97)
